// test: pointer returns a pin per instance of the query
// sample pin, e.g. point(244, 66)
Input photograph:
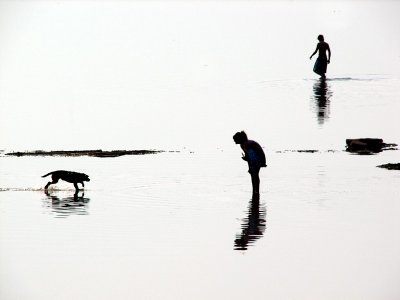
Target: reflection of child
point(255, 157)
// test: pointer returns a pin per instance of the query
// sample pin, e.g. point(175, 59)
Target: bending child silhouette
point(255, 157)
point(322, 61)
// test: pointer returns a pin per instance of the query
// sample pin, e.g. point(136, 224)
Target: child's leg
point(255, 180)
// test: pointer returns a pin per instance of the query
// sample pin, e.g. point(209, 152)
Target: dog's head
point(85, 177)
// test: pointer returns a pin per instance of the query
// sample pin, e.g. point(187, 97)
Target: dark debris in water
point(390, 166)
point(93, 153)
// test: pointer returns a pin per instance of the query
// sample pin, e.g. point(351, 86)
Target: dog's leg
point(76, 187)
point(54, 181)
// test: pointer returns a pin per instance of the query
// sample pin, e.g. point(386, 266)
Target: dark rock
point(368, 146)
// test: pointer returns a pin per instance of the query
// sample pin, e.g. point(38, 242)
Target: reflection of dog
point(66, 206)
point(72, 177)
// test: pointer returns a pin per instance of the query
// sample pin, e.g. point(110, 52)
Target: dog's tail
point(48, 174)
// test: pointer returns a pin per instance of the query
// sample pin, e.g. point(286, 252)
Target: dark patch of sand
point(390, 166)
point(305, 151)
point(94, 153)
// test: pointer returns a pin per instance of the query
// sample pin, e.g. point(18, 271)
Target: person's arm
point(329, 54)
point(316, 50)
point(245, 156)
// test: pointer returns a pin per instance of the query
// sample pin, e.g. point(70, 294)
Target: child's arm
point(245, 156)
point(316, 50)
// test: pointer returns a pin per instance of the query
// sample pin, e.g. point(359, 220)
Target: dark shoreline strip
point(94, 153)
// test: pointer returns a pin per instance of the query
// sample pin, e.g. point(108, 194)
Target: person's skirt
point(254, 161)
point(320, 65)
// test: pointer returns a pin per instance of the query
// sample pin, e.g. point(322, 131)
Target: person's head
point(321, 38)
point(240, 137)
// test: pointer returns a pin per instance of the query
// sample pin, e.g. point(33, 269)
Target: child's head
point(240, 137)
point(321, 38)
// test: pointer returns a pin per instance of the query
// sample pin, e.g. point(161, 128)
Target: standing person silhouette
point(255, 157)
point(322, 61)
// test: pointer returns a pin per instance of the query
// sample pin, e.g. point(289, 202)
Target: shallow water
point(323, 220)
point(185, 77)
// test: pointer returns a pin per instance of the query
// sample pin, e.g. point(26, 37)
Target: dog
point(68, 176)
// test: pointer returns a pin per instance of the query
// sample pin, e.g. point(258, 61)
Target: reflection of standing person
point(255, 157)
point(322, 95)
point(253, 226)
point(322, 61)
